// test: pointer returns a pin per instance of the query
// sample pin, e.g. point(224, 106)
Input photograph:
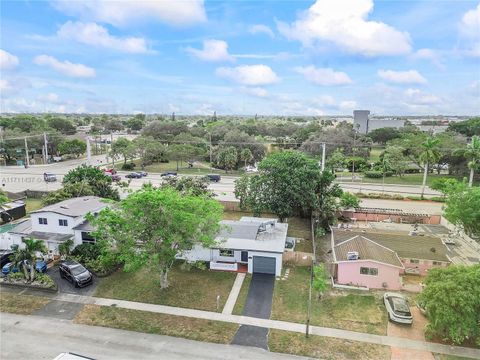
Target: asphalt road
point(36, 337)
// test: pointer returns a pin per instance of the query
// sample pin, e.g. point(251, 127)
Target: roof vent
point(266, 225)
point(352, 255)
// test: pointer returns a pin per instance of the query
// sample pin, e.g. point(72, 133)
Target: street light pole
point(323, 156)
point(27, 160)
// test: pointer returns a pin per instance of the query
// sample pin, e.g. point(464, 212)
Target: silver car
point(398, 309)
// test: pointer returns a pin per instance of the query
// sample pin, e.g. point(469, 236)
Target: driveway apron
point(258, 304)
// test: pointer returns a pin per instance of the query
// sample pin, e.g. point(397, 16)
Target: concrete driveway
point(258, 304)
point(65, 286)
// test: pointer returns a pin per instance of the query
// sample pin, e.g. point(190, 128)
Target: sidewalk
point(278, 325)
point(232, 297)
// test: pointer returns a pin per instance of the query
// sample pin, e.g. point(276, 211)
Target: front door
point(244, 257)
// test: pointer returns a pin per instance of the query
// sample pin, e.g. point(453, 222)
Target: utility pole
point(173, 116)
point(353, 157)
point(210, 134)
point(111, 146)
point(89, 150)
point(27, 160)
point(46, 147)
point(323, 156)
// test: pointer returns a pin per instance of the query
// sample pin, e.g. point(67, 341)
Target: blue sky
point(324, 57)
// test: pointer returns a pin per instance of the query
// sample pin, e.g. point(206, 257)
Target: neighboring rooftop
point(405, 245)
point(248, 234)
point(367, 250)
point(79, 206)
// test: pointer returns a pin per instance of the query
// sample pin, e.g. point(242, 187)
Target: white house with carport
point(57, 223)
point(253, 245)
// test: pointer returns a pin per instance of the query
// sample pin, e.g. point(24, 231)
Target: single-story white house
point(57, 223)
point(253, 245)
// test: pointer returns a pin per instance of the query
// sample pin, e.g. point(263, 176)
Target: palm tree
point(430, 154)
point(28, 253)
point(246, 155)
point(472, 153)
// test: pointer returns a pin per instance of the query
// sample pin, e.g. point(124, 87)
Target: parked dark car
point(142, 173)
point(5, 257)
point(75, 273)
point(213, 177)
point(133, 175)
point(114, 177)
point(168, 174)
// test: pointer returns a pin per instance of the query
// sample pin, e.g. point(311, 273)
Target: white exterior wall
point(277, 256)
point(77, 238)
point(52, 223)
point(7, 240)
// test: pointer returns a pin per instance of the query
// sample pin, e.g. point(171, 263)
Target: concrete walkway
point(233, 296)
point(279, 325)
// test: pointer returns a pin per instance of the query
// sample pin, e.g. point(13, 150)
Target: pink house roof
point(367, 250)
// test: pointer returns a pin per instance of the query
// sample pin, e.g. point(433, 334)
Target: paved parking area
point(64, 286)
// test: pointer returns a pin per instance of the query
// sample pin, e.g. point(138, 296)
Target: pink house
point(363, 263)
point(377, 259)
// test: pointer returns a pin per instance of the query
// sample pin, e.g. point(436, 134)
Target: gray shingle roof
point(367, 250)
point(79, 206)
point(406, 246)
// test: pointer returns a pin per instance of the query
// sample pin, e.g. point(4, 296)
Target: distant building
point(363, 124)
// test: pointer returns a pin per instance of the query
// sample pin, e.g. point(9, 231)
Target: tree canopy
point(451, 298)
point(462, 207)
point(153, 225)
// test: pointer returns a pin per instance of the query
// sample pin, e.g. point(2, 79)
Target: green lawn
point(153, 323)
point(407, 179)
point(342, 310)
point(21, 304)
point(201, 168)
point(196, 289)
point(242, 296)
point(300, 228)
point(375, 155)
point(325, 348)
point(33, 204)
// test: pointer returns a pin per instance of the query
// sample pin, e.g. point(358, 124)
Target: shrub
point(16, 277)
point(45, 280)
point(128, 166)
point(373, 174)
point(85, 252)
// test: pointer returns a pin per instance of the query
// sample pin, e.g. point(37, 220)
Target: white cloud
point(261, 29)
point(7, 60)
point(417, 97)
point(324, 100)
point(348, 105)
point(402, 77)
point(213, 50)
point(121, 13)
point(251, 75)
point(13, 86)
point(255, 91)
point(345, 23)
point(96, 35)
point(430, 55)
point(323, 76)
point(65, 67)
point(470, 30)
point(50, 97)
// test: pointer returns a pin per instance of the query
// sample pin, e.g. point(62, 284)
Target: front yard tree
point(320, 279)
point(152, 226)
point(452, 300)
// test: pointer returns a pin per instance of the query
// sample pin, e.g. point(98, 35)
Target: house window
point(42, 221)
point(87, 238)
point(368, 271)
point(225, 252)
point(414, 261)
point(63, 222)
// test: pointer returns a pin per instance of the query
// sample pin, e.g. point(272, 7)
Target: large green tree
point(288, 183)
point(152, 226)
point(72, 147)
point(100, 183)
point(462, 207)
point(472, 154)
point(227, 158)
point(452, 300)
point(122, 147)
point(430, 153)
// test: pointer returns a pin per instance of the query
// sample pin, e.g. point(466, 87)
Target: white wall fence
point(223, 266)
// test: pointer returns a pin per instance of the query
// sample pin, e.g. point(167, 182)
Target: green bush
point(128, 166)
point(44, 280)
point(86, 252)
point(15, 277)
point(373, 174)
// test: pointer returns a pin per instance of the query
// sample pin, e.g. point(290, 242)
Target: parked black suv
point(213, 177)
point(75, 273)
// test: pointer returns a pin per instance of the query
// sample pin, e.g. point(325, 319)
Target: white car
point(398, 309)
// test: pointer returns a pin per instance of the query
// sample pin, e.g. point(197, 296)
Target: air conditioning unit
point(352, 255)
